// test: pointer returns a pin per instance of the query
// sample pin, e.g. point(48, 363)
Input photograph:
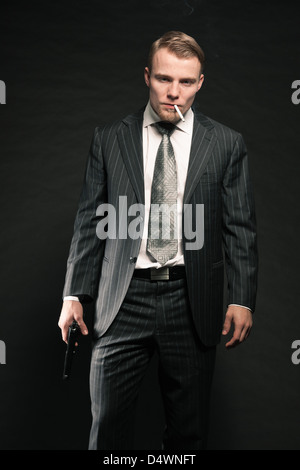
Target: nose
point(173, 91)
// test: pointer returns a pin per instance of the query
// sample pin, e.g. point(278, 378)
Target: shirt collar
point(150, 117)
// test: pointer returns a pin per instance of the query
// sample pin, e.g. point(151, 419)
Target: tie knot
point(165, 128)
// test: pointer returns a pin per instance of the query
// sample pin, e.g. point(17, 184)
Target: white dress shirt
point(181, 141)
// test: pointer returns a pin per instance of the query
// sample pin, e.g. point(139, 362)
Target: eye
point(162, 78)
point(186, 82)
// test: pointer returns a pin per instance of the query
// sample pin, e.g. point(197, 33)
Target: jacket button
point(132, 260)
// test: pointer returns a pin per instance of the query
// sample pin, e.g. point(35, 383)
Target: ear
point(200, 81)
point(147, 76)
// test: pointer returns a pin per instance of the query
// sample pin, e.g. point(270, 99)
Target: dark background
point(69, 67)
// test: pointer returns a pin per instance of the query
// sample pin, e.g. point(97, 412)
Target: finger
point(82, 326)
point(236, 336)
point(232, 343)
point(65, 330)
point(240, 335)
point(64, 333)
point(245, 333)
point(227, 324)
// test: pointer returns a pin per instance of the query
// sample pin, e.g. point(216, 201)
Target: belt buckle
point(161, 274)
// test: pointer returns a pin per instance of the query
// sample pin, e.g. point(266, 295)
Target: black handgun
point(73, 336)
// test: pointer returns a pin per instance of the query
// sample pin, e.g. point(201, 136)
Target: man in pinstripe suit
point(141, 305)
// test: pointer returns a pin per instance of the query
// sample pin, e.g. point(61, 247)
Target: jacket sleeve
point(239, 229)
point(86, 250)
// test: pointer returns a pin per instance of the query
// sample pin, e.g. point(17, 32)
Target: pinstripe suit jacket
point(218, 178)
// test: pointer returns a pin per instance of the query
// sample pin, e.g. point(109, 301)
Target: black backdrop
point(69, 67)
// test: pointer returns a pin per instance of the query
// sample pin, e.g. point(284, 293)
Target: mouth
point(168, 105)
point(174, 108)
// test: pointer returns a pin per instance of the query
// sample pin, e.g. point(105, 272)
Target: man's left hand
point(241, 317)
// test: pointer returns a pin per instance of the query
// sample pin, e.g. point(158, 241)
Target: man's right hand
point(71, 310)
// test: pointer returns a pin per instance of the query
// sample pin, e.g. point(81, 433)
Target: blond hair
point(179, 44)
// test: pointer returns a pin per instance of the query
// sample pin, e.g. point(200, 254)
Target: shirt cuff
point(71, 297)
point(241, 306)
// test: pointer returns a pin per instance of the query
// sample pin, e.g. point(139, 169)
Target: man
point(157, 291)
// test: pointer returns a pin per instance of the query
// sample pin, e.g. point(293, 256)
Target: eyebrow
point(162, 75)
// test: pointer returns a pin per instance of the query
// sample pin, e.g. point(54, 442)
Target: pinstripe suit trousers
point(153, 316)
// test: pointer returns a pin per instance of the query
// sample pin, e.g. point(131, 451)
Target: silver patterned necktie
point(162, 241)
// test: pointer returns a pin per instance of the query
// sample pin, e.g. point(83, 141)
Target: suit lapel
point(203, 142)
point(131, 146)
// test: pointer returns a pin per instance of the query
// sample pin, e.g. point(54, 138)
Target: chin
point(169, 116)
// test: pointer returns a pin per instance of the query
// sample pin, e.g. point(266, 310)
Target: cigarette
point(177, 109)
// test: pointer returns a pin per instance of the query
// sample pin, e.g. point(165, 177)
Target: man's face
point(173, 80)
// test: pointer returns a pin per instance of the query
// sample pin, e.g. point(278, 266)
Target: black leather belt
point(162, 274)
